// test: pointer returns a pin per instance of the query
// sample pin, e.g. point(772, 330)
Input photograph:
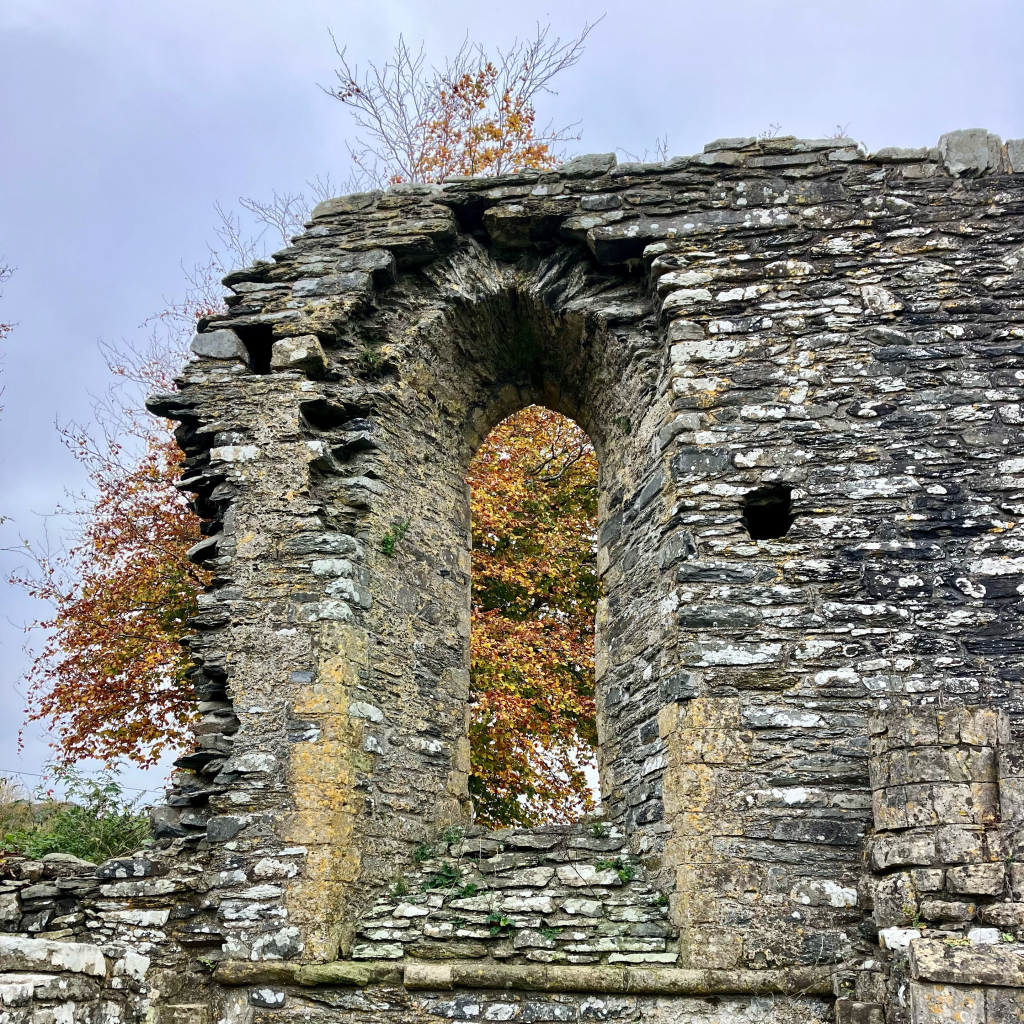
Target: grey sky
point(123, 121)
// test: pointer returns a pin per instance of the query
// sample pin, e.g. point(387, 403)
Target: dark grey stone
point(592, 165)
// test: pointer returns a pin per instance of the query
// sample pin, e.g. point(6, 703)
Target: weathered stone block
point(1004, 915)
point(589, 165)
point(303, 353)
point(928, 879)
point(940, 962)
point(1011, 801)
point(220, 344)
point(983, 727)
point(896, 938)
point(1015, 155)
point(580, 875)
point(976, 879)
point(19, 954)
point(851, 1011)
point(896, 901)
point(970, 152)
point(182, 1013)
point(958, 844)
point(946, 1004)
point(1004, 1004)
point(945, 910)
point(1015, 876)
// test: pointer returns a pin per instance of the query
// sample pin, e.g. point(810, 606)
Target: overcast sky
point(123, 121)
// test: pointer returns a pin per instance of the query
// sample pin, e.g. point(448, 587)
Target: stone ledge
point(19, 954)
point(445, 977)
point(633, 980)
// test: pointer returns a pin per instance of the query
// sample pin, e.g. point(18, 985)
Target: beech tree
point(109, 677)
point(535, 589)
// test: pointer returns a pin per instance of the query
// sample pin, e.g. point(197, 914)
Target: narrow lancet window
point(533, 734)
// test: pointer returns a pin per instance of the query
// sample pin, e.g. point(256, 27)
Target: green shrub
point(453, 834)
point(498, 922)
point(395, 533)
point(95, 823)
point(16, 808)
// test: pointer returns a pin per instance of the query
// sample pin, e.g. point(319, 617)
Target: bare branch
point(476, 115)
point(660, 154)
point(322, 188)
point(285, 214)
point(5, 272)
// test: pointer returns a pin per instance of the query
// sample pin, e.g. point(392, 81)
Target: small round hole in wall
point(768, 512)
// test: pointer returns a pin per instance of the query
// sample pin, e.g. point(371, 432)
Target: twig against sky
point(476, 115)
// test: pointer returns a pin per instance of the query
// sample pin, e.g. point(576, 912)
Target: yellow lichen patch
point(247, 545)
point(322, 778)
point(343, 652)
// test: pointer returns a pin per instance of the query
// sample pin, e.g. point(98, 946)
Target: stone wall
point(773, 331)
point(47, 982)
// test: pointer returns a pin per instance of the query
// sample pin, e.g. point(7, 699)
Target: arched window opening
point(533, 733)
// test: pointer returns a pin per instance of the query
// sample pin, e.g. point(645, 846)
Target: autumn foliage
point(535, 590)
point(109, 680)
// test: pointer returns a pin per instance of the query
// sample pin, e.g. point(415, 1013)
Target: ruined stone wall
point(780, 317)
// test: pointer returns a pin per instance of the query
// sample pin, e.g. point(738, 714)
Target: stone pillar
point(939, 852)
point(747, 854)
point(947, 885)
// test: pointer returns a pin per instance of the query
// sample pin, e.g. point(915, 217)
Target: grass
point(95, 823)
point(371, 361)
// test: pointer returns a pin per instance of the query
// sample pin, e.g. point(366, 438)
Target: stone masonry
point(802, 368)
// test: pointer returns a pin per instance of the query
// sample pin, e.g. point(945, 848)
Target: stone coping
point(572, 978)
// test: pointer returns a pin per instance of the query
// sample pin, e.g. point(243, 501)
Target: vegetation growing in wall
point(476, 115)
point(535, 591)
